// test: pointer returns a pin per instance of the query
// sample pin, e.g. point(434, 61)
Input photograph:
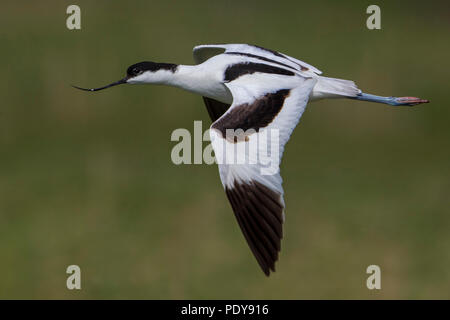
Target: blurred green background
point(87, 179)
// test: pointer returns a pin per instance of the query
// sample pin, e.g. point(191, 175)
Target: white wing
point(204, 52)
point(266, 107)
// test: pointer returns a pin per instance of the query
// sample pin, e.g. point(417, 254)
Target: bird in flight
point(252, 90)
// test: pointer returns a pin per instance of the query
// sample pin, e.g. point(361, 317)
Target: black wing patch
point(254, 116)
point(259, 212)
point(215, 108)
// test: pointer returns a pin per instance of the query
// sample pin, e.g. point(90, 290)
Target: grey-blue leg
point(393, 101)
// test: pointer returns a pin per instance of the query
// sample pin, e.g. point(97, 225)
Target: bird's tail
point(334, 88)
point(339, 88)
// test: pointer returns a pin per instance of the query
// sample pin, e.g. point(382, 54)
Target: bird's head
point(143, 72)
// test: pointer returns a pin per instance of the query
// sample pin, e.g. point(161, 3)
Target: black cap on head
point(138, 68)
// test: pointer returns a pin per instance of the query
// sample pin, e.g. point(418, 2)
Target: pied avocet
point(248, 87)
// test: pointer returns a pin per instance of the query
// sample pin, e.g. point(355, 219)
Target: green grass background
point(87, 179)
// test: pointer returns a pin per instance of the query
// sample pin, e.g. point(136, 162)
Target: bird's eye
point(136, 71)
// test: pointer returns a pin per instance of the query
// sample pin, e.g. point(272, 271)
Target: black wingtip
point(259, 213)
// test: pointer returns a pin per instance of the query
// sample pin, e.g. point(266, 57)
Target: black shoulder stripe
point(237, 70)
point(261, 58)
point(254, 116)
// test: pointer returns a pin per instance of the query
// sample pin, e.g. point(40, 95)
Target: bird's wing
point(266, 107)
point(204, 52)
point(215, 108)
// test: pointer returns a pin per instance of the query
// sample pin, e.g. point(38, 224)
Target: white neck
point(200, 79)
point(197, 79)
point(186, 77)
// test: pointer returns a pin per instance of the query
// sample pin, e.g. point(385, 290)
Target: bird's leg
point(393, 101)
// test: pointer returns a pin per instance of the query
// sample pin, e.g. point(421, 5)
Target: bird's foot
point(407, 101)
